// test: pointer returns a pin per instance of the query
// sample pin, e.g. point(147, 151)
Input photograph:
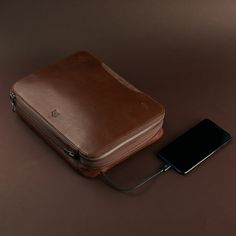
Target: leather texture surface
point(85, 103)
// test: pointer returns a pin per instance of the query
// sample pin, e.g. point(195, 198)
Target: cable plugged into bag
point(115, 186)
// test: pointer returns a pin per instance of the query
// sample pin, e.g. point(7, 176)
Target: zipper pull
point(13, 101)
point(71, 154)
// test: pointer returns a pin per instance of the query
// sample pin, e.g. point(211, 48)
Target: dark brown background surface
point(183, 53)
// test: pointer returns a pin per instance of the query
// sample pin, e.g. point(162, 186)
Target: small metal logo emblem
point(55, 113)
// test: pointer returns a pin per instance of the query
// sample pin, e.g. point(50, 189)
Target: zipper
point(13, 101)
point(71, 153)
point(45, 129)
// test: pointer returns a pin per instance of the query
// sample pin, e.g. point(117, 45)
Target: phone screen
point(194, 146)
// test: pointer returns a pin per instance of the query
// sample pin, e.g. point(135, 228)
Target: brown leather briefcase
point(88, 113)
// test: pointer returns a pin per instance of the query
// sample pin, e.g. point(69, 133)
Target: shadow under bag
point(88, 113)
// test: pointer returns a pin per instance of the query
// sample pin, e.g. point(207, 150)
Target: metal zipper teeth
point(62, 143)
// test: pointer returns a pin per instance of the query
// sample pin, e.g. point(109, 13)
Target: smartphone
point(193, 147)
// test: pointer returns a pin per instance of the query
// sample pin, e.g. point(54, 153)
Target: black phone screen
point(194, 146)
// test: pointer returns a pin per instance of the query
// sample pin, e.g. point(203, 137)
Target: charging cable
point(110, 182)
